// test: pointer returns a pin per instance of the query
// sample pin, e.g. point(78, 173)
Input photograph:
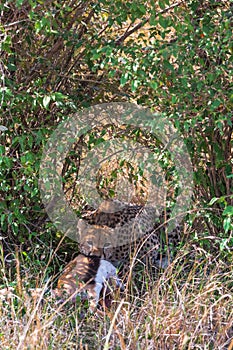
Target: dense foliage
point(175, 57)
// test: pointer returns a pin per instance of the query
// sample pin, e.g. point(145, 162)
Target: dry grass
point(188, 306)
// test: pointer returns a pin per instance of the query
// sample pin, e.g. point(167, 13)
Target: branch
point(120, 40)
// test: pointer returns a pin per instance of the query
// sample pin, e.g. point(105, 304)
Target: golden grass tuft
point(187, 306)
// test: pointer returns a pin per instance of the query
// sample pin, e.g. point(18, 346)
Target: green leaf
point(168, 65)
point(223, 244)
point(38, 26)
point(153, 85)
point(3, 218)
point(111, 193)
point(11, 67)
point(19, 3)
point(2, 150)
point(164, 22)
point(9, 162)
point(228, 210)
point(96, 54)
point(124, 78)
point(213, 200)
point(58, 96)
point(162, 4)
point(15, 228)
point(174, 99)
point(6, 44)
point(215, 104)
point(227, 224)
point(134, 85)
point(153, 20)
point(142, 9)
point(46, 101)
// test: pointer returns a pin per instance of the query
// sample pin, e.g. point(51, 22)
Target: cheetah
point(122, 232)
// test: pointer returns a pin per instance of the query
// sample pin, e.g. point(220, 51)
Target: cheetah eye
point(107, 245)
point(90, 243)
